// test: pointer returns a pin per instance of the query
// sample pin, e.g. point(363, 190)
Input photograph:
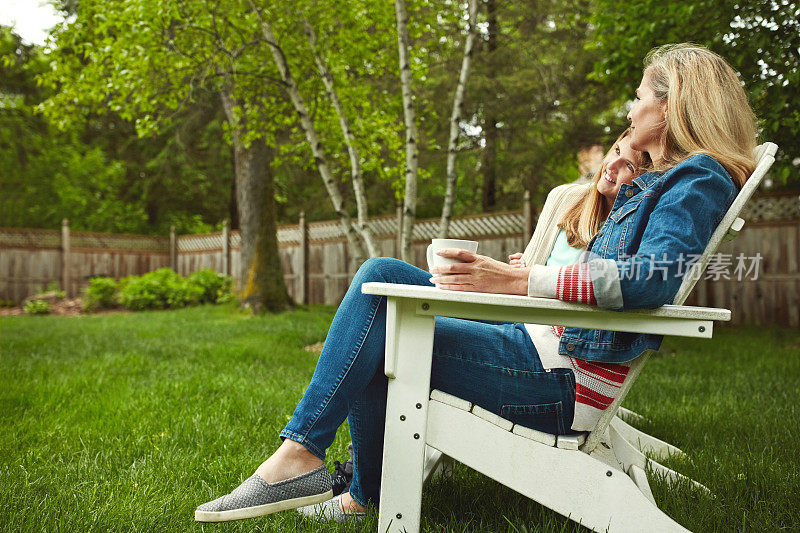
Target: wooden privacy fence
point(31, 259)
point(317, 265)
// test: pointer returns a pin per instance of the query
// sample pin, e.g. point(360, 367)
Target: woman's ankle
point(349, 505)
point(291, 459)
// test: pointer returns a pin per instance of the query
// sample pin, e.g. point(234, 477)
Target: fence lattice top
point(41, 238)
point(759, 209)
point(138, 243)
point(386, 227)
point(29, 238)
point(196, 243)
point(763, 208)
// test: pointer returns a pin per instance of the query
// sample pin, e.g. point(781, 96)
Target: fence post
point(173, 249)
point(302, 276)
point(66, 274)
point(226, 248)
point(527, 230)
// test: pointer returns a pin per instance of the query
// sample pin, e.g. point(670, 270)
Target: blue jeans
point(491, 364)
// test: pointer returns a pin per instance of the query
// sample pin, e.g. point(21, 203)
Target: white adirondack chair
point(598, 480)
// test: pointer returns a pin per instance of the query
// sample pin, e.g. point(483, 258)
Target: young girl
point(693, 119)
point(573, 212)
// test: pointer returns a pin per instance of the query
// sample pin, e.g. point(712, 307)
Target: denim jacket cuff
point(542, 281)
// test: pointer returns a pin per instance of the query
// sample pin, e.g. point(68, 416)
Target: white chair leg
point(628, 456)
point(639, 477)
point(645, 443)
point(436, 464)
point(406, 417)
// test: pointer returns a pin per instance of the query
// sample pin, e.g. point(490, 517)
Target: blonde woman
point(692, 118)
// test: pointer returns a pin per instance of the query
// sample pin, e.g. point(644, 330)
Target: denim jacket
point(658, 226)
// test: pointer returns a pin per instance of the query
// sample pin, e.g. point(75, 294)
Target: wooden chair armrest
point(680, 320)
point(420, 301)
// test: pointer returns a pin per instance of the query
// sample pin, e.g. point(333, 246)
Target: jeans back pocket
point(546, 417)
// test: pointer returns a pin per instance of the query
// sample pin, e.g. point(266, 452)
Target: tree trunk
point(260, 273)
point(233, 212)
point(455, 118)
point(488, 192)
point(313, 139)
point(412, 157)
point(349, 139)
point(488, 196)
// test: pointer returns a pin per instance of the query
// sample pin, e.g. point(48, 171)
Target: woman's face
point(648, 120)
point(619, 166)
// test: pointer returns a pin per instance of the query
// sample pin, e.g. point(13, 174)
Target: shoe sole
point(261, 510)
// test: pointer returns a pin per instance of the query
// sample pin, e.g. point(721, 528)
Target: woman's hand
point(478, 273)
point(516, 261)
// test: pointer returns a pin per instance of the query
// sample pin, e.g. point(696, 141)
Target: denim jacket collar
point(640, 183)
point(647, 180)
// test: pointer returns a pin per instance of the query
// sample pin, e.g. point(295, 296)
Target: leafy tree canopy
point(94, 170)
point(142, 141)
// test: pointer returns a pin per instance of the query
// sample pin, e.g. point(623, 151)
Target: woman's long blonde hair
point(584, 219)
point(707, 109)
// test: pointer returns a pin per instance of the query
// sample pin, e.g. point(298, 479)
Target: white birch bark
point(355, 158)
point(455, 118)
point(313, 139)
point(412, 158)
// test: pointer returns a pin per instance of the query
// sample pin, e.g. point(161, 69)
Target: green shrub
point(135, 295)
point(216, 287)
point(181, 292)
point(160, 289)
point(54, 287)
point(226, 298)
point(37, 307)
point(100, 294)
point(7, 303)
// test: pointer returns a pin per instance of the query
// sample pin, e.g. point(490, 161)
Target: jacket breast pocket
point(627, 209)
point(627, 220)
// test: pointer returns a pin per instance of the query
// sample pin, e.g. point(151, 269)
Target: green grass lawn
point(129, 421)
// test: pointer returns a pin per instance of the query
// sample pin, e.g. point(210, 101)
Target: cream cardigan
point(558, 202)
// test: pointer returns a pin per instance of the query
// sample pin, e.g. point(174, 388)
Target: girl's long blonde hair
point(707, 109)
point(584, 219)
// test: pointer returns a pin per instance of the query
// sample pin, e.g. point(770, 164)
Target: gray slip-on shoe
point(330, 510)
point(256, 497)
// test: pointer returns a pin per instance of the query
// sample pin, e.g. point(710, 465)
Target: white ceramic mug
point(441, 244)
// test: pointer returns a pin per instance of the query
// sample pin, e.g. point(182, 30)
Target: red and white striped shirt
point(596, 384)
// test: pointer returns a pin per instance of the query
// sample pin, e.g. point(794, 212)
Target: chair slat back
point(765, 156)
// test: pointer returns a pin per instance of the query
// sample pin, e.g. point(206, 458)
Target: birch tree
point(349, 138)
point(412, 150)
point(455, 120)
point(311, 136)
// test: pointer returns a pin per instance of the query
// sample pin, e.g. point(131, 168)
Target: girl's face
point(619, 166)
point(648, 120)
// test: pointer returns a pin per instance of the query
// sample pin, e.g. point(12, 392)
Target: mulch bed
point(62, 307)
